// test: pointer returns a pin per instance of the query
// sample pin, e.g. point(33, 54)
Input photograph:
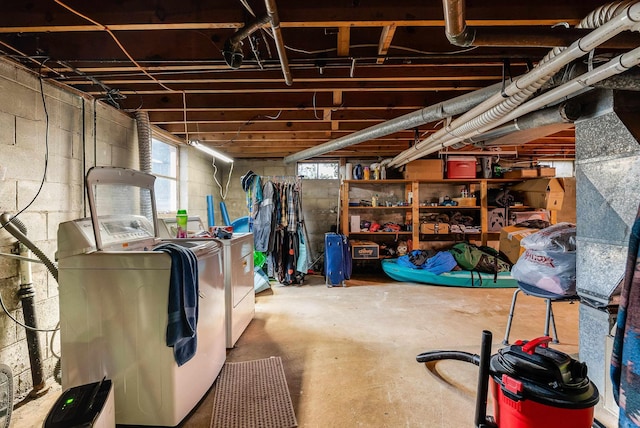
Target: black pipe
point(27, 295)
point(483, 380)
point(482, 360)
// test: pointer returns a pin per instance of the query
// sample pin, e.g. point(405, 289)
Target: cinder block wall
point(79, 133)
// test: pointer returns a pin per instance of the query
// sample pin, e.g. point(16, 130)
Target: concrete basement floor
point(349, 352)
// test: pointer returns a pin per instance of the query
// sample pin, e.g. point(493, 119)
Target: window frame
point(317, 163)
point(175, 179)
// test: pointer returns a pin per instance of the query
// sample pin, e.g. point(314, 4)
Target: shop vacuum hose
point(482, 360)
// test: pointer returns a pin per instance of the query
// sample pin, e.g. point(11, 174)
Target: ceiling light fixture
point(216, 154)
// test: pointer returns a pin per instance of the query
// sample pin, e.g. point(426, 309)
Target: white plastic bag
point(553, 271)
point(559, 237)
point(549, 260)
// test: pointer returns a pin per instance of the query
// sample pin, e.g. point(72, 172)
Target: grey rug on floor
point(253, 394)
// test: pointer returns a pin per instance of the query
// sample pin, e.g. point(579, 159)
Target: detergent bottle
point(181, 223)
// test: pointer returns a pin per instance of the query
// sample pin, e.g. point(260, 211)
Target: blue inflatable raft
point(460, 278)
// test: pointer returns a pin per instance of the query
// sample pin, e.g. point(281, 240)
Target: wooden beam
point(385, 41)
point(344, 37)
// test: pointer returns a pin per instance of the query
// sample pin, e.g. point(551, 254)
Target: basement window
point(318, 170)
point(164, 165)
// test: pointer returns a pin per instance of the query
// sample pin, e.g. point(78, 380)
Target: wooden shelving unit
point(414, 194)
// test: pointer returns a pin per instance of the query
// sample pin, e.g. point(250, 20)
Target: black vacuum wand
point(481, 420)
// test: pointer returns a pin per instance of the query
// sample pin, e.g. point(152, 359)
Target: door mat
point(253, 394)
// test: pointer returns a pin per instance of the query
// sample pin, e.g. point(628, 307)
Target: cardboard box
point(521, 173)
point(544, 193)
point(426, 169)
point(465, 202)
point(568, 211)
point(546, 172)
point(364, 250)
point(434, 228)
point(510, 237)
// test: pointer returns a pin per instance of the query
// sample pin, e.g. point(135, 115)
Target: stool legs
point(553, 326)
point(510, 319)
point(549, 320)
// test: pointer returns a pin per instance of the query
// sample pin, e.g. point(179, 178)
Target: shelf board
point(443, 180)
point(450, 234)
point(450, 207)
point(360, 207)
point(381, 233)
point(387, 181)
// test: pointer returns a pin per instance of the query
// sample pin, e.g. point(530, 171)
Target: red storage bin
point(461, 167)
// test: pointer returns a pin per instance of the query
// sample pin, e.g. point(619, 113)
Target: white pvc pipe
point(520, 89)
point(617, 65)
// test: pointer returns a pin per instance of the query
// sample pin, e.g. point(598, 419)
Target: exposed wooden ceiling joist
point(353, 65)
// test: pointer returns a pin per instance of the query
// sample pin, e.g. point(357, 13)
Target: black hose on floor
point(467, 357)
point(482, 360)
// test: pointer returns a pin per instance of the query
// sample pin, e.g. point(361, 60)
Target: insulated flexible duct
point(19, 231)
point(144, 155)
point(144, 140)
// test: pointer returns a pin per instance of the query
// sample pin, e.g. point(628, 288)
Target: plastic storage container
point(461, 167)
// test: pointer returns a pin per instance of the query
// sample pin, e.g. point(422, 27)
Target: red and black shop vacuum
point(532, 385)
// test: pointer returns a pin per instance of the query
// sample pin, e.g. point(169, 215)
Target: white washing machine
point(114, 295)
point(239, 278)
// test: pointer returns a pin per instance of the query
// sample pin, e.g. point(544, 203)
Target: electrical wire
point(371, 45)
point(115, 39)
point(46, 151)
point(315, 113)
point(28, 327)
point(223, 193)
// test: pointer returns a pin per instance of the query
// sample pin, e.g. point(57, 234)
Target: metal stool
point(549, 297)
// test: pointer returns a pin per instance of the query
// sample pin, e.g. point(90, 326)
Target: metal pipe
point(455, 23)
point(415, 119)
point(459, 34)
point(272, 11)
point(27, 294)
point(564, 113)
point(545, 37)
point(27, 297)
point(617, 65)
point(522, 88)
point(249, 29)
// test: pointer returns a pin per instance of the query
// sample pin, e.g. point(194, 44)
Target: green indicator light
point(69, 401)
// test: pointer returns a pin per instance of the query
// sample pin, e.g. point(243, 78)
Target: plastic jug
point(181, 223)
